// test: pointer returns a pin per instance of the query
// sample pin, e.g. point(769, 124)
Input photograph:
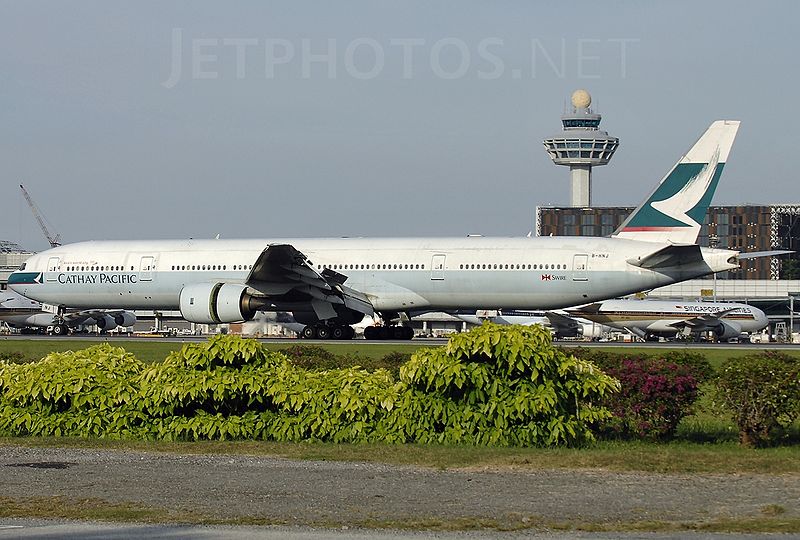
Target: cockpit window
point(22, 266)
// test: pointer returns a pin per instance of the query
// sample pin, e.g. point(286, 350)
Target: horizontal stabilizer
point(669, 256)
point(760, 254)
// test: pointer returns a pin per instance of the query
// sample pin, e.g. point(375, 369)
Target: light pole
point(713, 241)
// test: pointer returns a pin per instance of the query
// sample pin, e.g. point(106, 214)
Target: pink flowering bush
point(656, 393)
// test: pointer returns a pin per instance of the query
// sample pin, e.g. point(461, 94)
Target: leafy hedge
point(762, 391)
point(85, 393)
point(494, 385)
point(505, 386)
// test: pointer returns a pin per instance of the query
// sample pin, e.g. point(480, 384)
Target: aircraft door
point(437, 267)
point(52, 268)
point(580, 268)
point(146, 267)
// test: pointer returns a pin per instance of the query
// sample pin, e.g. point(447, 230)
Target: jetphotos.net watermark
point(366, 58)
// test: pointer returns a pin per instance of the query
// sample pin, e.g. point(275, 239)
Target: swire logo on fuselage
point(552, 277)
point(97, 279)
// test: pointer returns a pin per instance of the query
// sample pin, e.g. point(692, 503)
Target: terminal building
point(12, 255)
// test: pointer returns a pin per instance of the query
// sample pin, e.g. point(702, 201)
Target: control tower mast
point(581, 145)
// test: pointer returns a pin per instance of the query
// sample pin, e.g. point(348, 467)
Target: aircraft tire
point(60, 330)
point(322, 332)
point(371, 332)
point(338, 332)
point(349, 332)
point(308, 332)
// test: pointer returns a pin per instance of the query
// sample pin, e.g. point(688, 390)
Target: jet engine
point(125, 319)
point(214, 303)
point(727, 330)
point(106, 322)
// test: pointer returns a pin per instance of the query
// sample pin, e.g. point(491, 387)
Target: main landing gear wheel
point(323, 331)
point(307, 332)
point(338, 332)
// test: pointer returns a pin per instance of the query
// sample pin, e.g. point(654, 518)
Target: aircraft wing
point(76, 318)
point(281, 269)
point(561, 323)
point(706, 321)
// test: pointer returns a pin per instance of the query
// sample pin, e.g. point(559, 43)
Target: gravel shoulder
point(256, 489)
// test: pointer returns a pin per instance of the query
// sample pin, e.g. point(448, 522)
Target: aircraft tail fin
point(676, 209)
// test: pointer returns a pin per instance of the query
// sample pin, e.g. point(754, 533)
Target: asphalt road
point(333, 495)
point(49, 530)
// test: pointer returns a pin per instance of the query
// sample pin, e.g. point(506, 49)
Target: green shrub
point(84, 393)
point(504, 385)
point(762, 391)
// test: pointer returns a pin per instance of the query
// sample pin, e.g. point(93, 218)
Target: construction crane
point(55, 241)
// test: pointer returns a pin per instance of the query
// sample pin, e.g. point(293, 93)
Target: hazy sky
point(372, 118)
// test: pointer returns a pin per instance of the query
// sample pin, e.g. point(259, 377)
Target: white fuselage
point(666, 317)
point(403, 274)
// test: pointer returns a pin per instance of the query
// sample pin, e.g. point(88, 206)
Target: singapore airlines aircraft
point(330, 284)
point(654, 318)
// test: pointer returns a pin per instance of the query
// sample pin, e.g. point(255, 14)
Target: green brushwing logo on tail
point(681, 200)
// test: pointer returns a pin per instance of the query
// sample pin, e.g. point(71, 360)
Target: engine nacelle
point(215, 303)
point(125, 319)
point(106, 322)
point(727, 330)
point(39, 320)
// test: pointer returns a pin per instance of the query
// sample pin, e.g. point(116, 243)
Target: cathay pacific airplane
point(330, 284)
point(668, 318)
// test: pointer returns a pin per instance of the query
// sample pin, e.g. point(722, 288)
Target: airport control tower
point(581, 145)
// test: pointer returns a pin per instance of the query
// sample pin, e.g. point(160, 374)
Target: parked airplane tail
point(675, 210)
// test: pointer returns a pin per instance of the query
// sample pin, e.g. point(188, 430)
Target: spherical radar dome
point(581, 99)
